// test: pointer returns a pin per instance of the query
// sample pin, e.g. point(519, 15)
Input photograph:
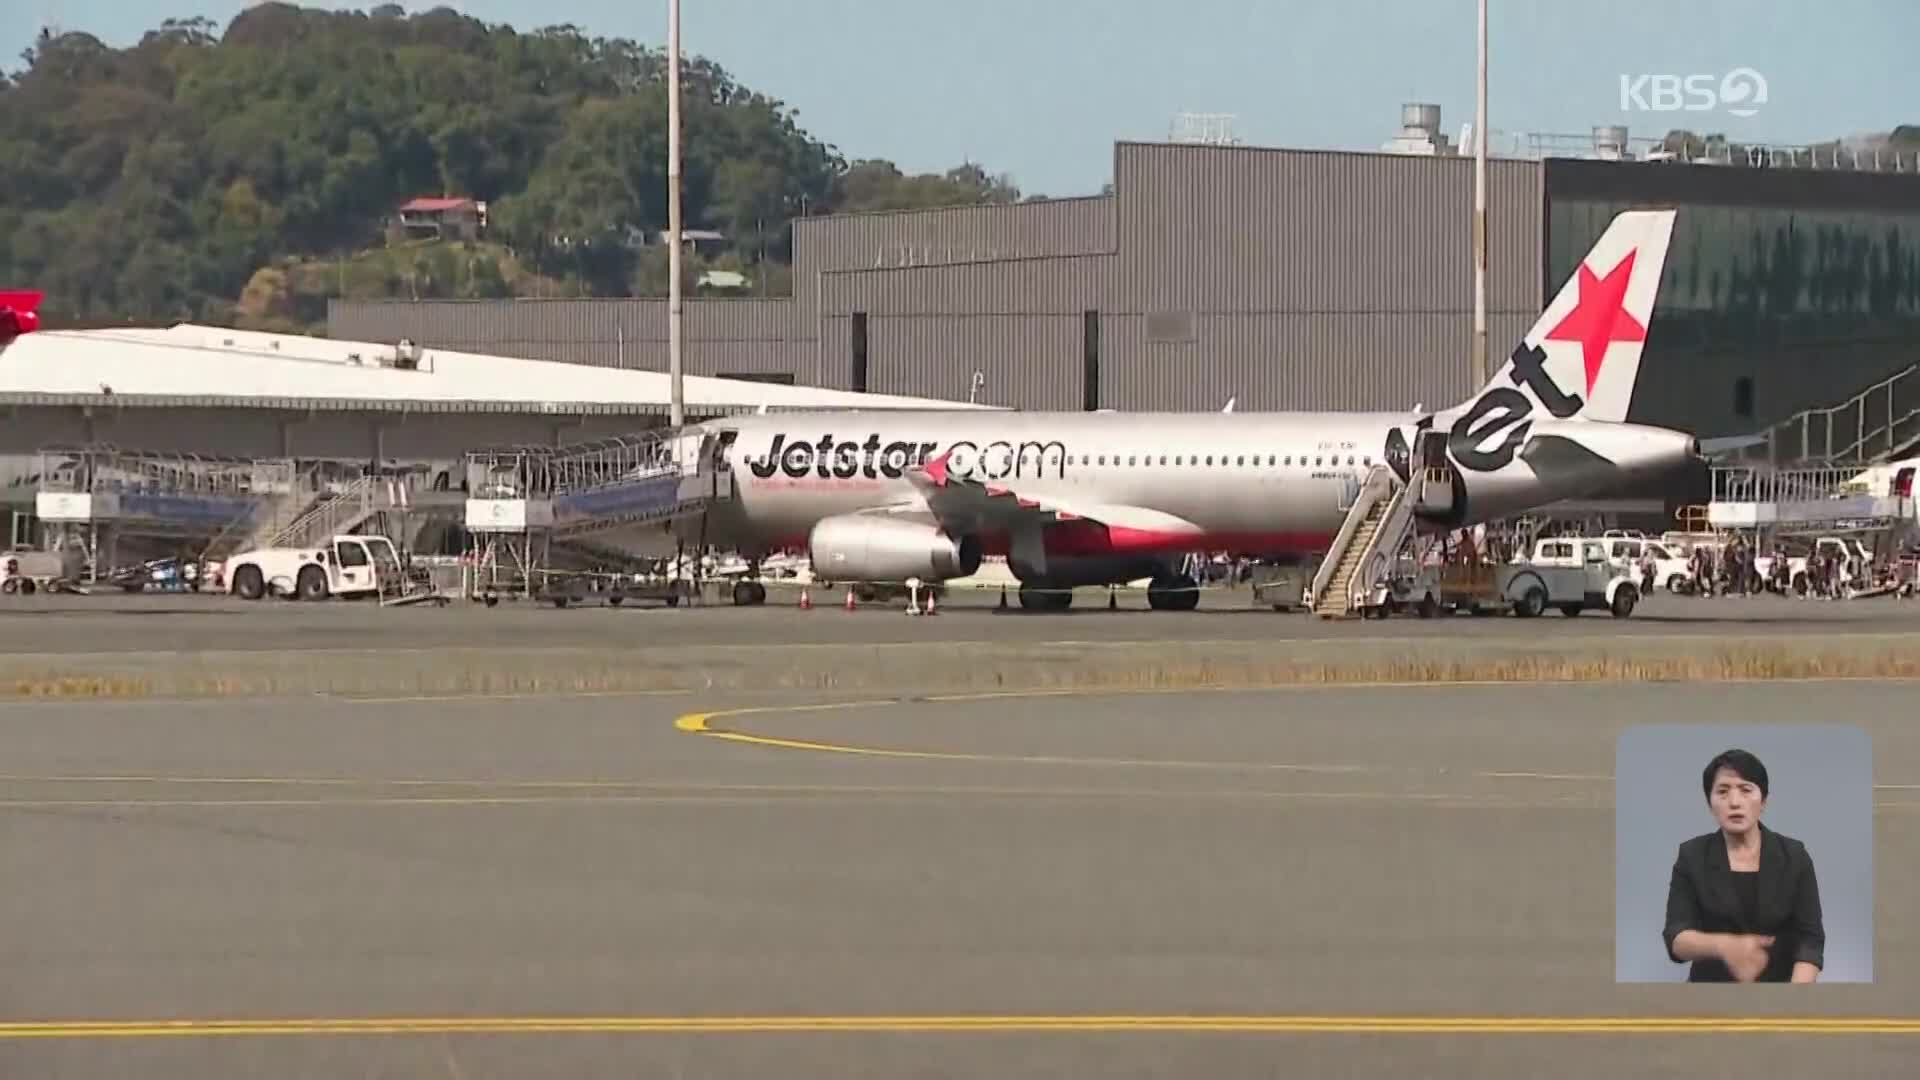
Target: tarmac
point(1315, 881)
point(172, 622)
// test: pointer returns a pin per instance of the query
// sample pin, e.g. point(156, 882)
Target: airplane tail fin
point(1583, 355)
point(19, 314)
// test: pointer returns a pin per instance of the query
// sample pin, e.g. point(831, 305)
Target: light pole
point(678, 414)
point(1479, 211)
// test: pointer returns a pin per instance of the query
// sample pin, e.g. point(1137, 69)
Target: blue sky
point(1042, 88)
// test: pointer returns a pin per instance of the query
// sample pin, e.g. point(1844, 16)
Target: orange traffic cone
point(806, 599)
point(849, 598)
point(933, 608)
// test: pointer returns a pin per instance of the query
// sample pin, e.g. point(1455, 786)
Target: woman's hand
point(1745, 955)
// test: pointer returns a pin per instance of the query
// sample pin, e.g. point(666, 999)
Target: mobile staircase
point(1363, 552)
point(1357, 575)
point(528, 504)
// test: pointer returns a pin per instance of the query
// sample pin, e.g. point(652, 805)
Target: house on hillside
point(435, 218)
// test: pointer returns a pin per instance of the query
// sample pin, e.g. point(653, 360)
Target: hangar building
point(1294, 279)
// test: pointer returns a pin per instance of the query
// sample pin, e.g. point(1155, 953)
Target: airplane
point(1077, 498)
point(19, 314)
point(1891, 479)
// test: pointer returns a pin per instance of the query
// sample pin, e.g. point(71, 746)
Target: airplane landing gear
point(1176, 593)
point(750, 592)
point(1038, 596)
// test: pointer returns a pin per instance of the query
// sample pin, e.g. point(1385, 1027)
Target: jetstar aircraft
point(1081, 498)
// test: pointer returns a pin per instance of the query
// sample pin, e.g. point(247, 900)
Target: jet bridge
point(101, 498)
point(559, 522)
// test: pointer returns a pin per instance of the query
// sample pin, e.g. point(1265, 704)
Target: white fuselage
point(1257, 483)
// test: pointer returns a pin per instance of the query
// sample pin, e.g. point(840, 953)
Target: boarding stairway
point(306, 515)
point(575, 490)
point(113, 502)
point(538, 513)
point(1879, 423)
point(1367, 546)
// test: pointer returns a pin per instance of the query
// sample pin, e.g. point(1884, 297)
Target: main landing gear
point(748, 591)
point(1177, 592)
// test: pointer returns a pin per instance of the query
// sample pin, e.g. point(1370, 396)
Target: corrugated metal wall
point(953, 235)
point(722, 336)
point(1289, 279)
point(1313, 279)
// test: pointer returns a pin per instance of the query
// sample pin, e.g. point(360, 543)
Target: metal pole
point(1480, 212)
point(678, 415)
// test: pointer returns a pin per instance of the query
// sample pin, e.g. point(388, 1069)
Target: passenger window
point(1241, 460)
point(1103, 459)
point(1130, 460)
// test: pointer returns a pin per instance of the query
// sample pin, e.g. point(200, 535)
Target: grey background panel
point(1820, 792)
point(1077, 226)
point(1034, 361)
point(1244, 229)
point(1041, 286)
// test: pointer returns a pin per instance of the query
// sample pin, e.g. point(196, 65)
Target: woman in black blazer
point(1744, 905)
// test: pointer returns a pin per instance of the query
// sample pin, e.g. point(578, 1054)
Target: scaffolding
point(527, 505)
point(1784, 502)
point(97, 496)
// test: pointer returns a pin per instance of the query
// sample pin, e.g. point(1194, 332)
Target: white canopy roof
point(192, 365)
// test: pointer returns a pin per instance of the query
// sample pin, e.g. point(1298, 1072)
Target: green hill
point(248, 175)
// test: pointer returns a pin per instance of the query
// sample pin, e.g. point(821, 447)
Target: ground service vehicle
point(26, 571)
point(344, 566)
point(1573, 574)
point(1671, 571)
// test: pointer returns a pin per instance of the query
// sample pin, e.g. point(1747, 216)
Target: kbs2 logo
point(1506, 408)
point(1741, 92)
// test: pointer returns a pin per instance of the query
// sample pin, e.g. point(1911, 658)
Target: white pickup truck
point(345, 566)
point(1797, 581)
point(1573, 574)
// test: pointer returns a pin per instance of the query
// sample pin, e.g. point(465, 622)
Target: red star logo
point(1600, 318)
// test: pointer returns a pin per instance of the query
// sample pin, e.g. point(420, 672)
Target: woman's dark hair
point(1739, 763)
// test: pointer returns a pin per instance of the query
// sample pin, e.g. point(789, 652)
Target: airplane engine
point(870, 547)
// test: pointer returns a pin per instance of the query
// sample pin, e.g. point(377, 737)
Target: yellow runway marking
point(701, 723)
point(686, 1025)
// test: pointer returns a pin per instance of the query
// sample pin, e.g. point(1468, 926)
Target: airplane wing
point(965, 505)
